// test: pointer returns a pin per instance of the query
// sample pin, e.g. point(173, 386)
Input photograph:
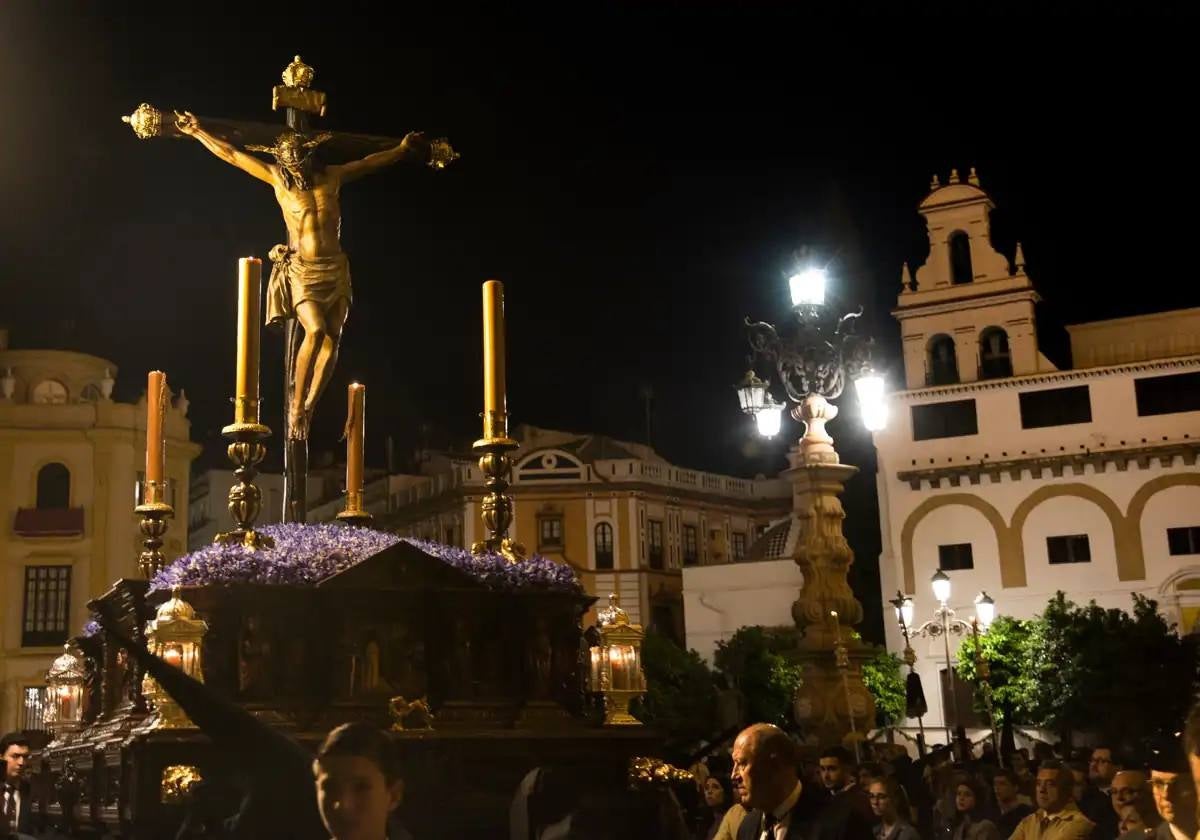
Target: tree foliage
point(1005, 649)
point(1125, 675)
point(753, 661)
point(883, 677)
point(681, 698)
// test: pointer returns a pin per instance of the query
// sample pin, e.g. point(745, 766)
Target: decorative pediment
point(550, 465)
point(402, 566)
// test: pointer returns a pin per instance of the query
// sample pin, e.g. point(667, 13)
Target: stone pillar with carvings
point(828, 705)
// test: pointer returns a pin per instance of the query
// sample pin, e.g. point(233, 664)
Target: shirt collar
point(1068, 812)
point(1177, 833)
point(785, 807)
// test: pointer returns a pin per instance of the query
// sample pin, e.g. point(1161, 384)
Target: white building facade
point(70, 457)
point(1021, 479)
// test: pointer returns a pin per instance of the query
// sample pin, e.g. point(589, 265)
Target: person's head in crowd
point(969, 798)
point(1054, 787)
point(718, 793)
point(358, 782)
point(1171, 784)
point(888, 802)
point(1079, 773)
point(1004, 786)
point(833, 765)
point(764, 767)
point(1103, 765)
point(1020, 764)
point(1130, 819)
point(1128, 786)
point(1191, 748)
point(1139, 814)
point(1042, 752)
point(867, 771)
point(14, 748)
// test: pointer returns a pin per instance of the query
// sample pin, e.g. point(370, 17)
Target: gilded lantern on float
point(616, 664)
point(64, 690)
point(175, 636)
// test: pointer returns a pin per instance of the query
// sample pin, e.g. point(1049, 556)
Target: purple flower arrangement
point(305, 554)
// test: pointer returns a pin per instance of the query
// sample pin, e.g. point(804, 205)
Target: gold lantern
point(175, 636)
point(616, 664)
point(64, 694)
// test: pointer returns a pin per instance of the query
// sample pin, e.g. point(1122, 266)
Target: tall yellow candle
point(495, 423)
point(249, 315)
point(356, 430)
point(156, 395)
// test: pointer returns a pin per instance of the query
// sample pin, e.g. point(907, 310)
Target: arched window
point(53, 487)
point(995, 360)
point(942, 364)
point(49, 391)
point(960, 258)
point(604, 546)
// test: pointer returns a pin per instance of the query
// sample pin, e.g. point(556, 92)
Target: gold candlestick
point(153, 511)
point(495, 445)
point(495, 417)
point(356, 430)
point(245, 400)
point(156, 388)
point(246, 451)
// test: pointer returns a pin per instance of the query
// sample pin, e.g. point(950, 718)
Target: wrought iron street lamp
point(813, 355)
point(943, 624)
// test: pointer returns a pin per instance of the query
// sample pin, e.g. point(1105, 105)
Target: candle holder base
point(153, 526)
point(497, 507)
point(357, 518)
point(616, 707)
point(246, 451)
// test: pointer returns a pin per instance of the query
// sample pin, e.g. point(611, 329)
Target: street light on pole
point(943, 624)
point(810, 358)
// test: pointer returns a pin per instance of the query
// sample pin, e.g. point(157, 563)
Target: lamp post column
point(831, 703)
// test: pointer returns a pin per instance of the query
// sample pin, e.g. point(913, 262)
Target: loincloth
point(294, 279)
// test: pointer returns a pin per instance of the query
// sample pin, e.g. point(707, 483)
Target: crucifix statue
point(309, 289)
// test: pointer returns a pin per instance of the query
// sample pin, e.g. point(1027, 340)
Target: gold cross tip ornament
point(441, 154)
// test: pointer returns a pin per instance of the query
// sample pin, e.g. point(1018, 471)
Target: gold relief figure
point(405, 711)
point(310, 280)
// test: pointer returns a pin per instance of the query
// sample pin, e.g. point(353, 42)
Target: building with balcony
point(1020, 478)
point(620, 515)
point(70, 458)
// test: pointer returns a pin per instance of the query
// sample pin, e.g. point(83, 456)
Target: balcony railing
point(48, 522)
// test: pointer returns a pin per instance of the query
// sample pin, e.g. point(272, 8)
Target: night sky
point(639, 176)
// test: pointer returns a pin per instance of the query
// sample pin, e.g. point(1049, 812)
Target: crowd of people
point(762, 789)
point(1051, 793)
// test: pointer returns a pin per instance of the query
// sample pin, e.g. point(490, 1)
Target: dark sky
point(639, 176)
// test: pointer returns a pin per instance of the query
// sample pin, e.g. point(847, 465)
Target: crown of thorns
point(291, 138)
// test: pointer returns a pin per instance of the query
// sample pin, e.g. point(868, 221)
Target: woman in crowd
point(718, 796)
point(890, 807)
point(969, 806)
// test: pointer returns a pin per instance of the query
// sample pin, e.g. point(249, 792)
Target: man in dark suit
point(1174, 795)
point(16, 805)
point(780, 807)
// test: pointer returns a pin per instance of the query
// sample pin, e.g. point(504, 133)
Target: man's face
point(750, 776)
point(1194, 761)
point(1160, 783)
point(879, 799)
point(1126, 786)
point(1049, 792)
point(832, 776)
point(354, 797)
point(1004, 789)
point(14, 762)
point(1101, 767)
